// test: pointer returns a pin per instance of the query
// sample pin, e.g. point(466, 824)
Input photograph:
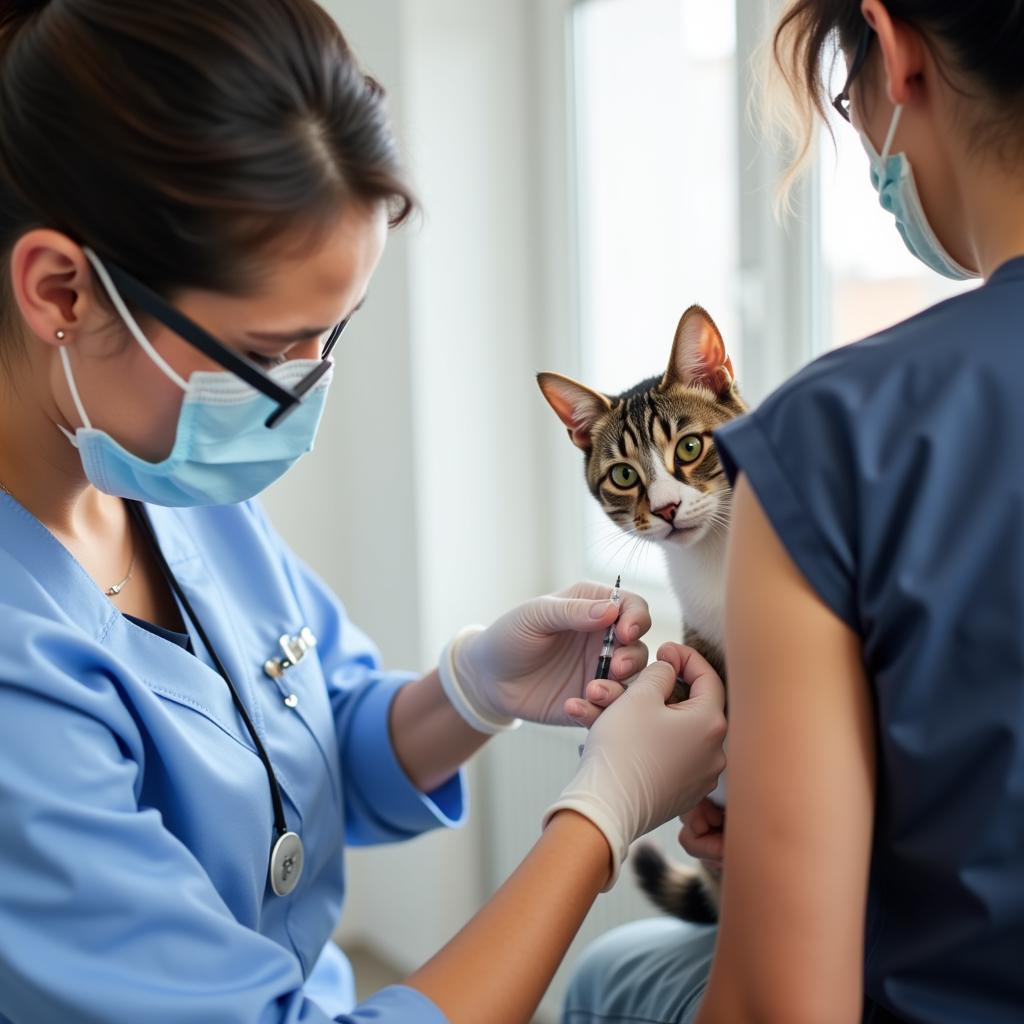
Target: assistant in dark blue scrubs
point(893, 472)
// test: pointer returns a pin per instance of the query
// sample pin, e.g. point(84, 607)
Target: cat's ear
point(576, 405)
point(699, 358)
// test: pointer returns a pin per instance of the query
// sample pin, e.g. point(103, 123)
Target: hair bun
point(12, 10)
point(29, 6)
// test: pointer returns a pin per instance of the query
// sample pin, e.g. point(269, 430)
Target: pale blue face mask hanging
point(223, 451)
point(893, 179)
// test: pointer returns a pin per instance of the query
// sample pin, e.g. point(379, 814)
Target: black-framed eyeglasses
point(288, 399)
point(842, 101)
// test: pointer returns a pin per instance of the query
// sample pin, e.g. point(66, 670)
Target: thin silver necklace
point(114, 589)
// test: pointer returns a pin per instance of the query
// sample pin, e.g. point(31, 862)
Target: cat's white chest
point(698, 579)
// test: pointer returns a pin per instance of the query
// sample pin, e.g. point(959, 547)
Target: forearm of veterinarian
point(430, 738)
point(497, 968)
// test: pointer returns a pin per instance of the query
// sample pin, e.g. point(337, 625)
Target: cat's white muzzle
point(684, 532)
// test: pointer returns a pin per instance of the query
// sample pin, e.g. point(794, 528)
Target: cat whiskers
point(613, 551)
point(632, 541)
point(639, 550)
point(633, 558)
point(719, 526)
point(720, 519)
point(619, 533)
point(712, 514)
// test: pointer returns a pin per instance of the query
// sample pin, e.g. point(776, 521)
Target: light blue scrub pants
point(647, 972)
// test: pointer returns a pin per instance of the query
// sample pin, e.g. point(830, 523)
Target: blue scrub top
point(136, 815)
point(893, 472)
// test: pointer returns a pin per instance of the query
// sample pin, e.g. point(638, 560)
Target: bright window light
point(657, 180)
point(873, 280)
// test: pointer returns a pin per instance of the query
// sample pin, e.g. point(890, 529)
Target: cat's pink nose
point(667, 512)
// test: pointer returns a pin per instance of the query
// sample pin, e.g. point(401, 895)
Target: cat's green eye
point(689, 448)
point(624, 476)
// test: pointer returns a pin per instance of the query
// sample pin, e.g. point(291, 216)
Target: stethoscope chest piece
point(286, 859)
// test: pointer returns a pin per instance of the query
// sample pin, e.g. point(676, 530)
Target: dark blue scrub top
point(893, 472)
point(182, 640)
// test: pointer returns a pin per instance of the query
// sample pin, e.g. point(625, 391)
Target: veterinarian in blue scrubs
point(874, 838)
point(193, 197)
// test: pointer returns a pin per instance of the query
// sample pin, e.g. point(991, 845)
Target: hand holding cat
point(703, 834)
point(536, 661)
point(646, 761)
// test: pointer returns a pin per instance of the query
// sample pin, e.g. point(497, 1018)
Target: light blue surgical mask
point(893, 179)
point(223, 451)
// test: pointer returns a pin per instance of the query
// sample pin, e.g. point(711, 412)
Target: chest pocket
point(180, 677)
point(302, 689)
point(294, 695)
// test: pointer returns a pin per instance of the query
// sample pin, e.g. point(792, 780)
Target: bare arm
point(430, 738)
point(801, 795)
point(498, 967)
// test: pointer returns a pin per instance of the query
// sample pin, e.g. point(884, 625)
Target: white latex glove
point(645, 762)
point(537, 662)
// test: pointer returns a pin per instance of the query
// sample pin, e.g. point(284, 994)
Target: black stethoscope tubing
point(140, 517)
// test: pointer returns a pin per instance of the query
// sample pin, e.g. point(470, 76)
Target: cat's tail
point(687, 893)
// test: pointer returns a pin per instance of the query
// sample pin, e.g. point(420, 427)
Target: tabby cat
point(651, 464)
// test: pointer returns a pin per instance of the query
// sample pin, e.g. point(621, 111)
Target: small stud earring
point(60, 335)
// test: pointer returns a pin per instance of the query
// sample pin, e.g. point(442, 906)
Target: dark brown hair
point(981, 42)
point(178, 137)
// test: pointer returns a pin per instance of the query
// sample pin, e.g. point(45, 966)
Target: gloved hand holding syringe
point(604, 663)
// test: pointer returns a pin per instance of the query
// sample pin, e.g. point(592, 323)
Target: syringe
point(604, 664)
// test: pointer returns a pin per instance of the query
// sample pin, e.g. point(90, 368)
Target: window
point(873, 282)
point(657, 178)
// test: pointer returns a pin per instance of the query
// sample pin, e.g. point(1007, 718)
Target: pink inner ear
point(705, 361)
point(716, 365)
point(581, 421)
point(580, 433)
point(575, 405)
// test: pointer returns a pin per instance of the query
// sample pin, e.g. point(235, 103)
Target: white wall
point(421, 503)
point(350, 508)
